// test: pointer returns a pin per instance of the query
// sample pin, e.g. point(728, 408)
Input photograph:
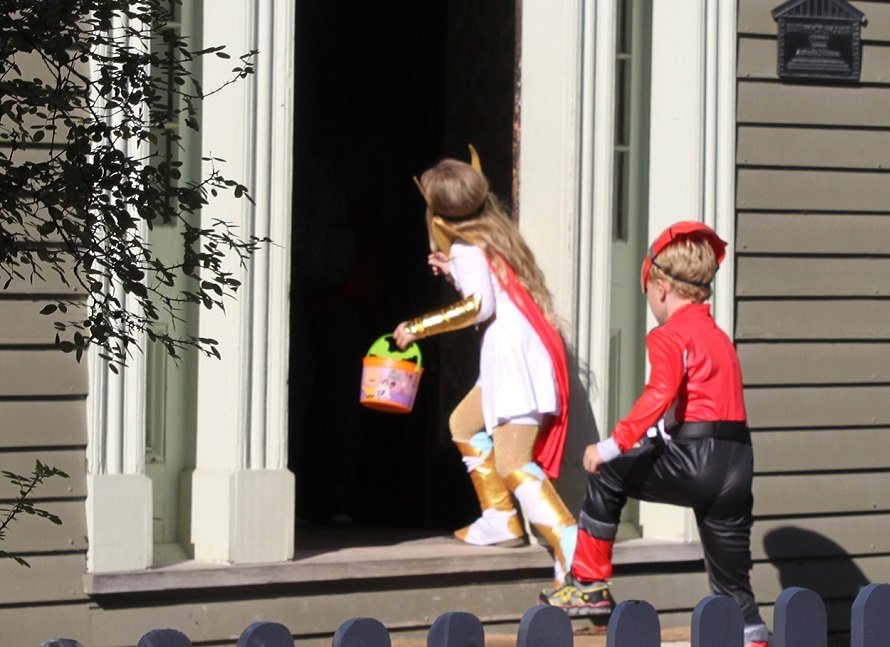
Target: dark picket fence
point(800, 620)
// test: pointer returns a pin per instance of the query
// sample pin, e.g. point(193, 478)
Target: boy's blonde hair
point(460, 193)
point(689, 264)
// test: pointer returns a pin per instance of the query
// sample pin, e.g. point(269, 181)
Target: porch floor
point(338, 554)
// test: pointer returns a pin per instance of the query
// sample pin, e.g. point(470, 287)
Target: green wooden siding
point(42, 417)
point(813, 313)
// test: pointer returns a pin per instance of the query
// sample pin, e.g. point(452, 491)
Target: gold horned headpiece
point(443, 234)
point(474, 162)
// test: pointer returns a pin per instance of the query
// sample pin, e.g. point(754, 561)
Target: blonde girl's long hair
point(460, 195)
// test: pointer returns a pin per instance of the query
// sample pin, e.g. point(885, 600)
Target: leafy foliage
point(22, 504)
point(95, 96)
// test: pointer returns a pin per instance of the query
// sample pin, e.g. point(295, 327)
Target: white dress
point(515, 371)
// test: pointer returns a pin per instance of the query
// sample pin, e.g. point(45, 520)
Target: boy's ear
point(663, 288)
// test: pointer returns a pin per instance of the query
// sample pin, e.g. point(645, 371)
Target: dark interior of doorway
point(383, 91)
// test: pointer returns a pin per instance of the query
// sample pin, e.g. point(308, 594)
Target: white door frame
point(242, 491)
point(565, 162)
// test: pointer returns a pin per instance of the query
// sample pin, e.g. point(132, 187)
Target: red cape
point(552, 438)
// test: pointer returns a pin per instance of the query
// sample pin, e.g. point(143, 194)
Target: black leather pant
point(713, 477)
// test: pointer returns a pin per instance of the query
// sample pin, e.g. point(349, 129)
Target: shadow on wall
point(582, 432)
point(807, 559)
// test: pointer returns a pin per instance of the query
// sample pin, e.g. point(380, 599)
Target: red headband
point(677, 231)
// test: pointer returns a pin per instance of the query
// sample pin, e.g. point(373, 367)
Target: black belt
point(736, 431)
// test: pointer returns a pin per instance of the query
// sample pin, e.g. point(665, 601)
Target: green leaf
point(90, 199)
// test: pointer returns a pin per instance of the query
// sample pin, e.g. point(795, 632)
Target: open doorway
point(383, 91)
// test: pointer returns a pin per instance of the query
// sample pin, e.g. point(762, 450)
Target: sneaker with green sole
point(580, 599)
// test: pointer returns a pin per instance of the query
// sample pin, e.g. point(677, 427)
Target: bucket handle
point(382, 347)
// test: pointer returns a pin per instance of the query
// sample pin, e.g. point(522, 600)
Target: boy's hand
point(592, 460)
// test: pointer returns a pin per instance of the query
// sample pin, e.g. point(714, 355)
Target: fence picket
point(266, 634)
point(870, 617)
point(164, 638)
point(799, 619)
point(456, 629)
point(799, 616)
point(717, 621)
point(544, 626)
point(361, 632)
point(634, 623)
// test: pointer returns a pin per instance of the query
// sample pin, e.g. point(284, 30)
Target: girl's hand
point(440, 263)
point(402, 338)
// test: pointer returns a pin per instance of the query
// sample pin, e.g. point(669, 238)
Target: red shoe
point(757, 643)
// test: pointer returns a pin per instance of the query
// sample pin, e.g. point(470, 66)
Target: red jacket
point(695, 367)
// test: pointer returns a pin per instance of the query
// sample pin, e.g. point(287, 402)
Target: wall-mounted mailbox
point(819, 39)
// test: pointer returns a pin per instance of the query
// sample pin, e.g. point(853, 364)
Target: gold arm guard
point(454, 317)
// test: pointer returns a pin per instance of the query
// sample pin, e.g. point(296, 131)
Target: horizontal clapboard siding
point(837, 581)
point(22, 323)
point(810, 494)
point(822, 450)
point(834, 579)
point(71, 461)
point(824, 363)
point(809, 319)
point(812, 326)
point(813, 277)
point(758, 59)
point(45, 281)
point(812, 233)
point(42, 373)
point(813, 190)
point(813, 147)
point(807, 105)
point(51, 578)
point(808, 537)
point(42, 418)
point(42, 423)
point(33, 535)
point(818, 407)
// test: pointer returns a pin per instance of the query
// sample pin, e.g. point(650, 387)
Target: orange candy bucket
point(390, 377)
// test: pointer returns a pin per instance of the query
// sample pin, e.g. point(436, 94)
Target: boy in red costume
point(697, 452)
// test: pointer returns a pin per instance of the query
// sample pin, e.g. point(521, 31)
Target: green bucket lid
point(385, 346)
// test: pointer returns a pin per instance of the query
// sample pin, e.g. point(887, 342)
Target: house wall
point(812, 313)
point(50, 599)
point(811, 322)
point(42, 417)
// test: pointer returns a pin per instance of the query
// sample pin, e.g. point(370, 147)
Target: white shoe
point(494, 528)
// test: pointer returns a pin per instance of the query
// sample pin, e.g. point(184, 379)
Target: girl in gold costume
point(510, 428)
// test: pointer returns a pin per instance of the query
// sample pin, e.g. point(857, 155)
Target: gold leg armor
point(499, 524)
point(545, 510)
point(489, 486)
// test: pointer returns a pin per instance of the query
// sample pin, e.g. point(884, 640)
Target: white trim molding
point(691, 155)
point(243, 494)
point(119, 494)
point(551, 87)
